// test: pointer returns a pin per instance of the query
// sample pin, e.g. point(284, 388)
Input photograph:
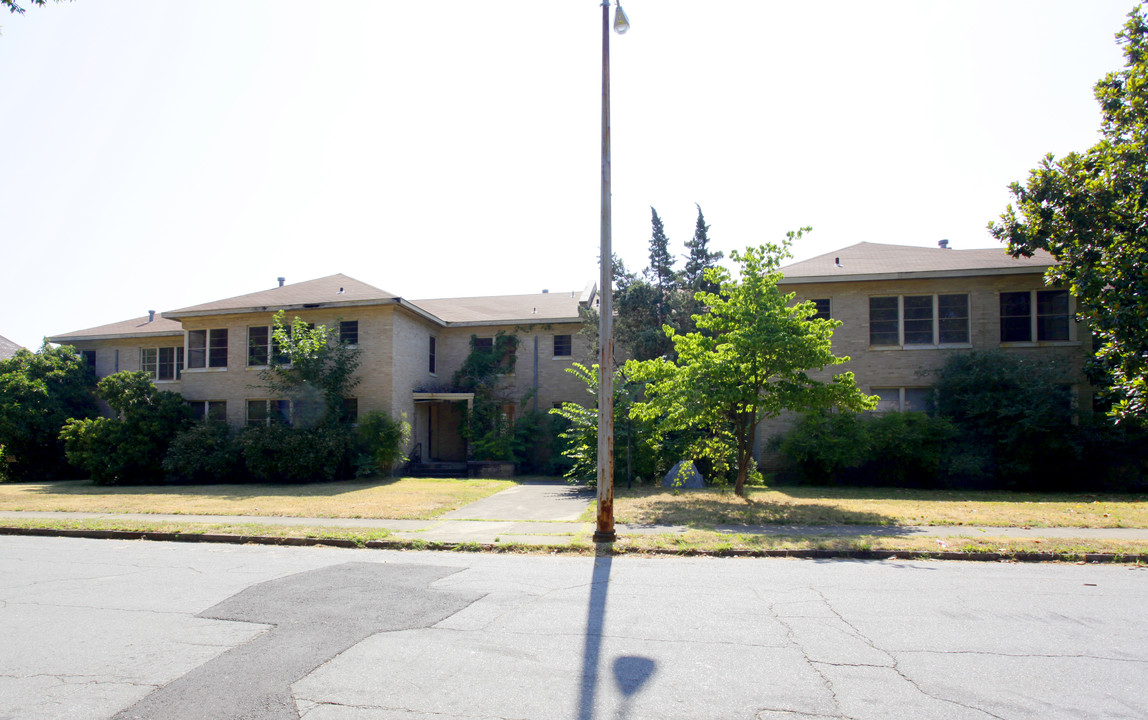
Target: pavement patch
point(313, 617)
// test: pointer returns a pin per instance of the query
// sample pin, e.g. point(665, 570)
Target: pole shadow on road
point(630, 671)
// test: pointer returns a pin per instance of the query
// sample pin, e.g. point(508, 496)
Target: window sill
point(196, 371)
point(562, 357)
point(944, 346)
point(1041, 343)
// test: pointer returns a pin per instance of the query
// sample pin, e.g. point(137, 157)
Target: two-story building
point(213, 354)
point(905, 310)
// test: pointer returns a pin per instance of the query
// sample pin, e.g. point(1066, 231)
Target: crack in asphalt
point(69, 679)
point(895, 662)
point(808, 661)
point(1050, 656)
point(390, 708)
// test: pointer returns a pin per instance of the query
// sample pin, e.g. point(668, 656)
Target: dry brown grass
point(875, 506)
point(406, 498)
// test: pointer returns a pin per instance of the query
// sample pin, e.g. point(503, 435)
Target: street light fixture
point(604, 531)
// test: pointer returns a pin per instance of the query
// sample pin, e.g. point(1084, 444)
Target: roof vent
point(534, 311)
point(340, 291)
point(151, 315)
point(837, 262)
point(943, 244)
point(281, 281)
point(545, 291)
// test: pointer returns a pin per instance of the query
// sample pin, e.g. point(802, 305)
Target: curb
point(599, 548)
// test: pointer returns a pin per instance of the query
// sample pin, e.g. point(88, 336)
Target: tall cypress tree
point(700, 257)
point(661, 270)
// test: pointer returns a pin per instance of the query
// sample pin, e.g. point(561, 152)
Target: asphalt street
point(95, 629)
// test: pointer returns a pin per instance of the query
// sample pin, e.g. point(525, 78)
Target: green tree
point(38, 393)
point(661, 270)
point(749, 360)
point(699, 258)
point(129, 448)
point(1090, 210)
point(317, 372)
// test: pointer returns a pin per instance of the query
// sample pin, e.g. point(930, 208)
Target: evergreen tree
point(661, 271)
point(699, 257)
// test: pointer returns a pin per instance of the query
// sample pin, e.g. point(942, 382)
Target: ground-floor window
point(209, 409)
point(265, 412)
point(904, 399)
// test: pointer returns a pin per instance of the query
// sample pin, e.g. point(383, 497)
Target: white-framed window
point(265, 412)
point(261, 346)
point(919, 320)
point(162, 364)
point(207, 348)
point(1050, 322)
point(563, 345)
point(205, 410)
point(903, 399)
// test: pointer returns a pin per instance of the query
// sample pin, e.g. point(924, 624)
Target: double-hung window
point(207, 348)
point(1048, 324)
point(266, 412)
point(261, 346)
point(349, 332)
point(822, 307)
point(162, 364)
point(904, 399)
point(563, 346)
point(215, 410)
point(919, 320)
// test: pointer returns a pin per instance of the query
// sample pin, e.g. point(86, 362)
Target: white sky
point(157, 154)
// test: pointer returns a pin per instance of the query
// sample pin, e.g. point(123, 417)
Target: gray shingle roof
point(534, 308)
point(136, 327)
point(7, 348)
point(331, 290)
point(879, 259)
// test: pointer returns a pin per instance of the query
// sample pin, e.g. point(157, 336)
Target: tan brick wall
point(912, 366)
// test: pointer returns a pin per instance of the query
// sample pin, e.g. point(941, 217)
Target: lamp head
point(621, 22)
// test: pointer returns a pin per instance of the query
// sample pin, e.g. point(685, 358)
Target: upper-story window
point(1048, 324)
point(919, 320)
point(822, 306)
point(207, 348)
point(433, 364)
point(89, 358)
point(349, 332)
point(162, 363)
point(261, 346)
point(563, 346)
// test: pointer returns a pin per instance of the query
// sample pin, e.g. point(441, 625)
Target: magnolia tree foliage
point(1090, 210)
point(38, 392)
point(749, 360)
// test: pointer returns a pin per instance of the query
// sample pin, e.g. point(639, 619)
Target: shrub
point(129, 448)
point(1014, 416)
point(381, 441)
point(904, 449)
point(204, 453)
point(279, 453)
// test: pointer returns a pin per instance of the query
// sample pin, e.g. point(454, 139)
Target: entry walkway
point(548, 512)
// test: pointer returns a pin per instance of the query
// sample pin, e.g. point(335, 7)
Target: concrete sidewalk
point(546, 513)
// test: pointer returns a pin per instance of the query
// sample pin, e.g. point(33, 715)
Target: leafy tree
point(749, 360)
point(1090, 211)
point(635, 451)
point(700, 258)
point(383, 439)
point(130, 447)
point(318, 372)
point(38, 393)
